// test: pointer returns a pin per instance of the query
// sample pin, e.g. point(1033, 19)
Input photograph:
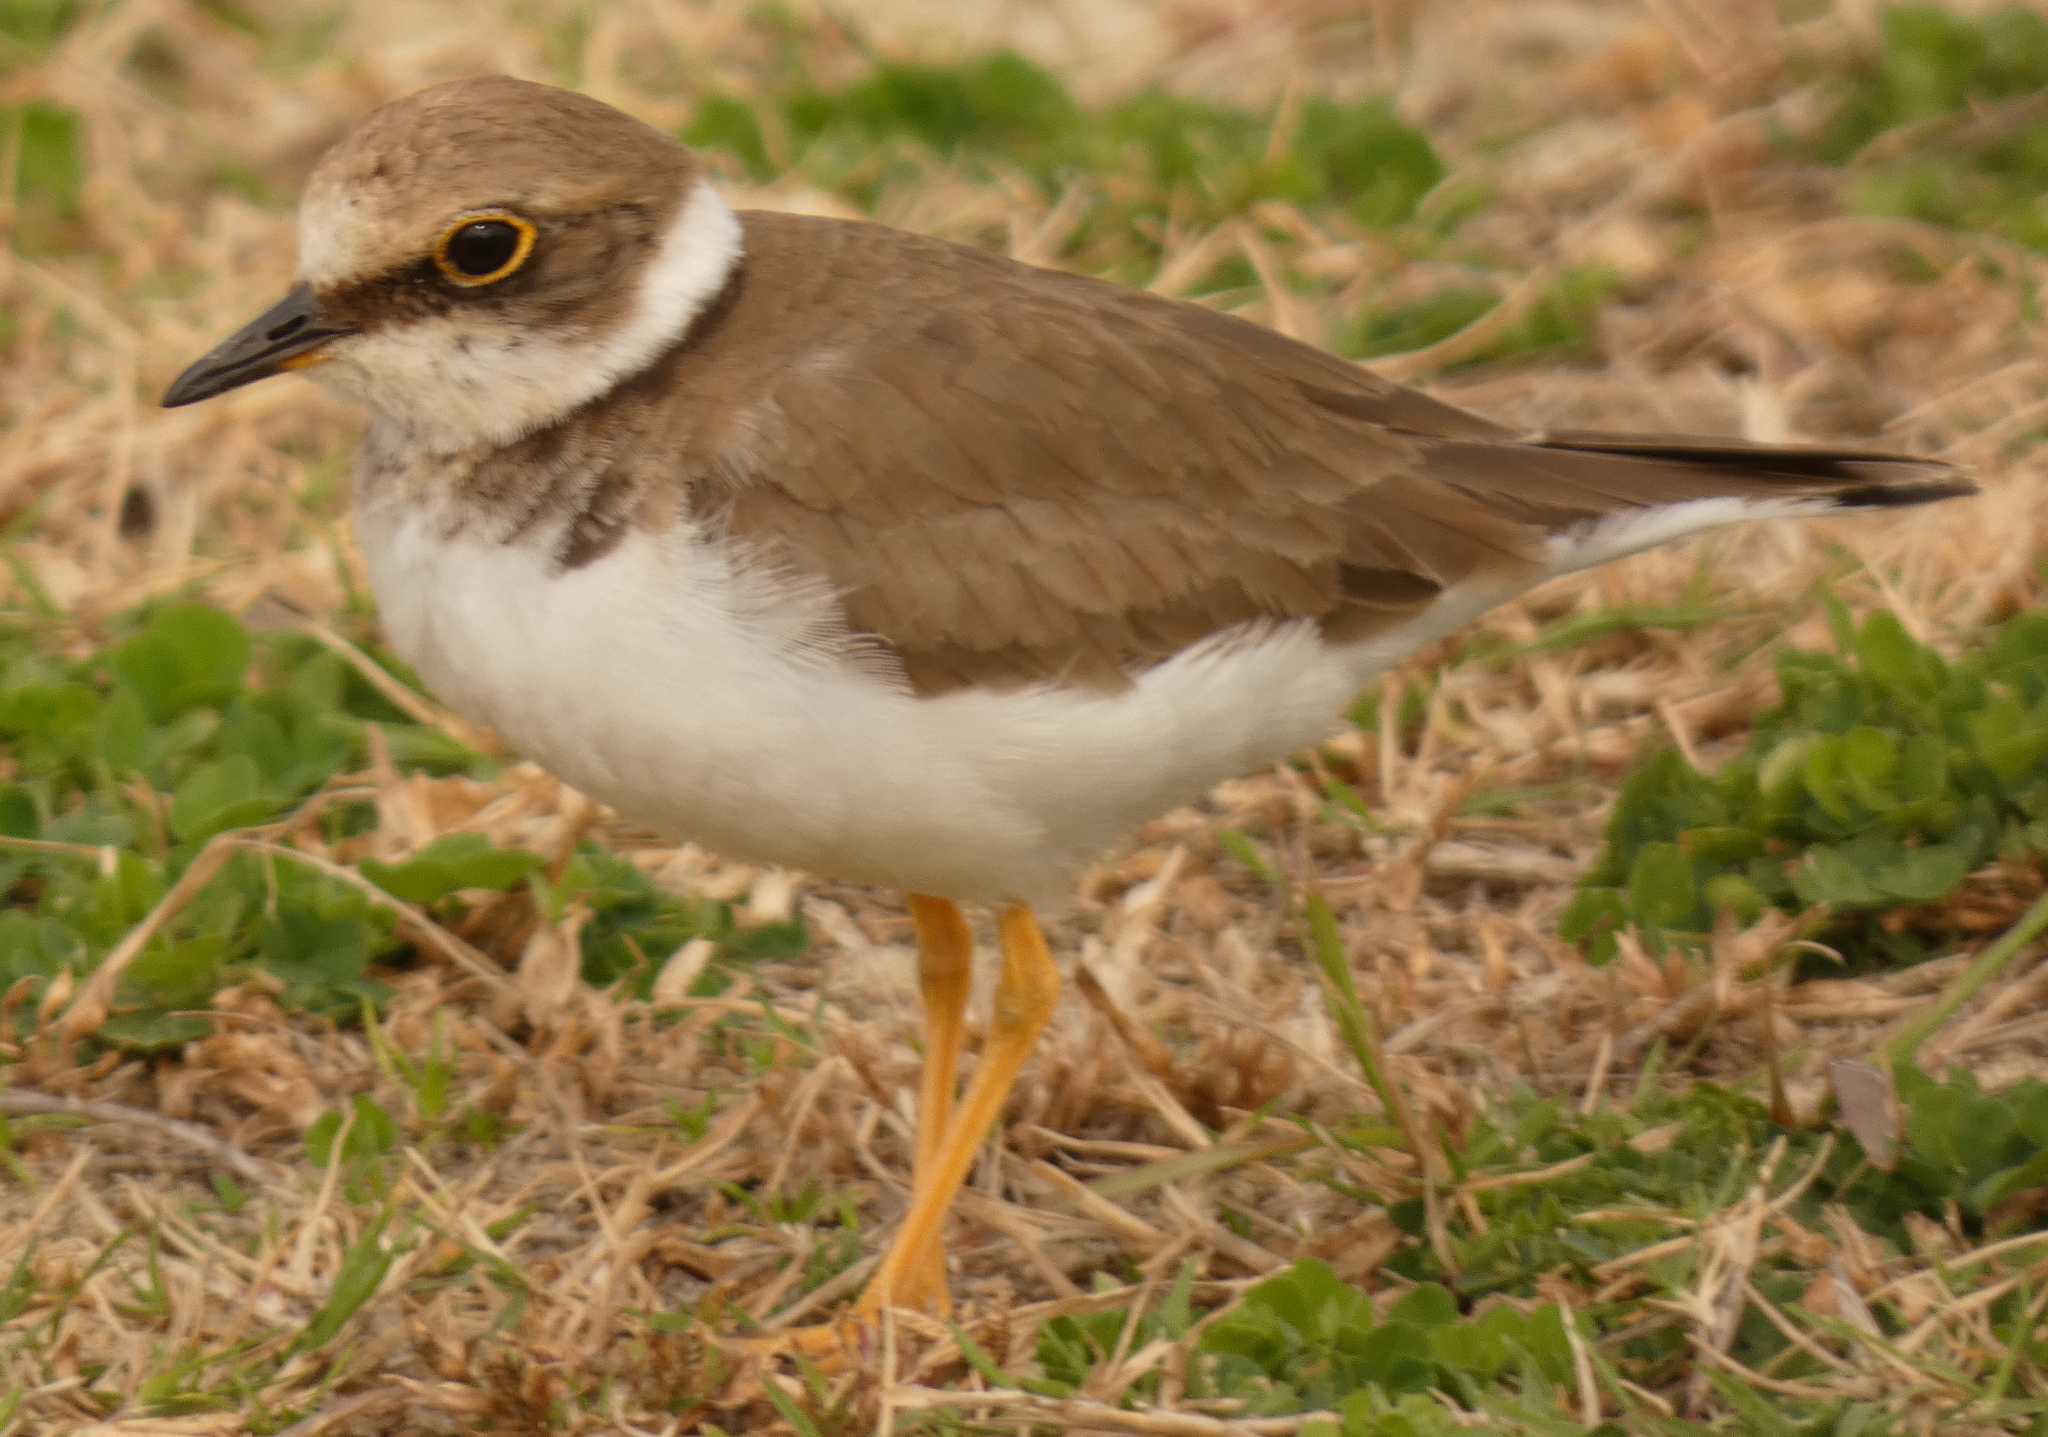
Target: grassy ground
point(357, 1081)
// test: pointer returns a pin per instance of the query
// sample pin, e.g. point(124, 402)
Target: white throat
point(450, 388)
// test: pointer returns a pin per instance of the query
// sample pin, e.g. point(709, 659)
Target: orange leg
point(945, 974)
point(1025, 995)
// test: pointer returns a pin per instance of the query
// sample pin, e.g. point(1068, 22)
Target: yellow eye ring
point(482, 249)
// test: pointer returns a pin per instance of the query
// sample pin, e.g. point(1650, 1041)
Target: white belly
point(693, 693)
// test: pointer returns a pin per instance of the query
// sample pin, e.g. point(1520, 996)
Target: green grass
point(1145, 157)
point(1558, 325)
point(1567, 1200)
point(49, 168)
point(1883, 780)
point(28, 28)
point(1997, 187)
point(1965, 93)
point(1934, 64)
point(43, 140)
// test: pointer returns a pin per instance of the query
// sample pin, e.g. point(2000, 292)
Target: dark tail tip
point(1851, 478)
point(1901, 493)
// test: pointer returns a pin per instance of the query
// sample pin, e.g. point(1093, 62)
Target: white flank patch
point(1587, 545)
point(456, 382)
point(693, 690)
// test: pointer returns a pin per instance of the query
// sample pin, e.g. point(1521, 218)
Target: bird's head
point(481, 258)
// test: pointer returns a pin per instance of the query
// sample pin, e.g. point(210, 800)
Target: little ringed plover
point(857, 551)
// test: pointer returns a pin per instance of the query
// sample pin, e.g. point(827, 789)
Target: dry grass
point(1778, 317)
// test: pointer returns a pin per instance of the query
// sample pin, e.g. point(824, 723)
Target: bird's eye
point(483, 249)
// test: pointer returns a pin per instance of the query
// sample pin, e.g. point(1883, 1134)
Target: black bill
point(285, 336)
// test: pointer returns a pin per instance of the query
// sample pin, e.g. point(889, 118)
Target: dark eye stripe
point(401, 296)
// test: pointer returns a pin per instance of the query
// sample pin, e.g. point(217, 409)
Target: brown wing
point(1014, 475)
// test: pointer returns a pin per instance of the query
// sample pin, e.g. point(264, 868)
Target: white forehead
point(336, 240)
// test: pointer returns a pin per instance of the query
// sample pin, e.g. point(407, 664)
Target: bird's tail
point(1600, 496)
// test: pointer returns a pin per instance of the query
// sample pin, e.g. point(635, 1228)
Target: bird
point(893, 560)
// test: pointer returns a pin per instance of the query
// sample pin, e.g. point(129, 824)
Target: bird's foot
point(918, 1304)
